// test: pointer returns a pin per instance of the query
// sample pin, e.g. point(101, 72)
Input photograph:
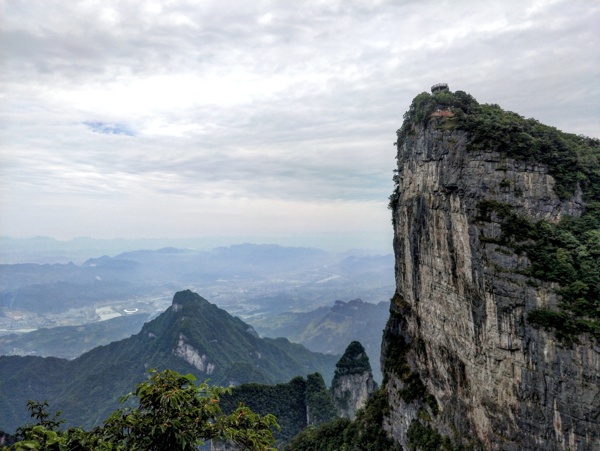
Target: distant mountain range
point(245, 279)
point(68, 342)
point(43, 249)
point(192, 336)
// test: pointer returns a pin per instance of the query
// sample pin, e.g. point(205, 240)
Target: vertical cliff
point(481, 347)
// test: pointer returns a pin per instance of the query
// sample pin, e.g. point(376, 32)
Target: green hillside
point(296, 404)
point(192, 336)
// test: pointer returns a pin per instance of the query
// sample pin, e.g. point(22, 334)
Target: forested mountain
point(296, 404)
point(192, 336)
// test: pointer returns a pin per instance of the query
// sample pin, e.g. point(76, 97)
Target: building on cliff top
point(439, 87)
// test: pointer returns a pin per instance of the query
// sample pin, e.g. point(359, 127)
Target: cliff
point(353, 382)
point(482, 347)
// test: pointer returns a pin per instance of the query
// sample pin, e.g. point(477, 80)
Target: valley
point(319, 299)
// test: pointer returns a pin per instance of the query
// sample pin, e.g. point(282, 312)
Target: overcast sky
point(248, 118)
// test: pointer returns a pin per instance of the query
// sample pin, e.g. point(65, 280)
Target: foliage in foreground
point(172, 414)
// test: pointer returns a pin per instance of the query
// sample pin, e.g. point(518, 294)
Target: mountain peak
point(192, 336)
point(353, 382)
point(187, 298)
point(354, 360)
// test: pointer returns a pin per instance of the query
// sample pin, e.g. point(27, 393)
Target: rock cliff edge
point(460, 357)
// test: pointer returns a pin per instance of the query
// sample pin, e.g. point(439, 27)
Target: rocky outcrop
point(458, 355)
point(353, 382)
point(188, 353)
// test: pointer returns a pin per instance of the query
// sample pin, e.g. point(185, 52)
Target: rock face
point(458, 353)
point(353, 382)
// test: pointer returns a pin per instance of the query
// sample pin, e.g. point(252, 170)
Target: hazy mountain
point(69, 342)
point(192, 336)
point(244, 279)
point(330, 329)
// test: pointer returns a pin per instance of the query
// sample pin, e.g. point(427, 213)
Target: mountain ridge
point(192, 336)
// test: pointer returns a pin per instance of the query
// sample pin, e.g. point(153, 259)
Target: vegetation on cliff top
point(354, 361)
point(571, 159)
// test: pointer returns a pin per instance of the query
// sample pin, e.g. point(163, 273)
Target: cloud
point(249, 104)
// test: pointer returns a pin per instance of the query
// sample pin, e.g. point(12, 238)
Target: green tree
point(319, 404)
point(173, 413)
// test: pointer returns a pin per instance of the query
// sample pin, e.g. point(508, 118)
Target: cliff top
point(354, 361)
point(573, 160)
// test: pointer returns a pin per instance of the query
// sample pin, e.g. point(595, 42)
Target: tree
point(172, 413)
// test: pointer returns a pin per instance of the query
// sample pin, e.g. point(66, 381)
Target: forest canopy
point(172, 413)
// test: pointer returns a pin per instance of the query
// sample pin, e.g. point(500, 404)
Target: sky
point(264, 120)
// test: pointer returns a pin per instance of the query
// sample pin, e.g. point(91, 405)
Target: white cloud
point(259, 115)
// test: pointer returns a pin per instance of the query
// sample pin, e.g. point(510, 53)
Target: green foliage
point(393, 200)
point(487, 207)
point(565, 326)
point(419, 112)
point(172, 414)
point(318, 400)
point(363, 434)
point(286, 401)
point(38, 411)
point(571, 159)
point(395, 362)
point(296, 404)
point(422, 437)
point(354, 361)
point(366, 432)
point(327, 437)
point(567, 253)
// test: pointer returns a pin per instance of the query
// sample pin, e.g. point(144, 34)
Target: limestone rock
point(458, 331)
point(353, 382)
